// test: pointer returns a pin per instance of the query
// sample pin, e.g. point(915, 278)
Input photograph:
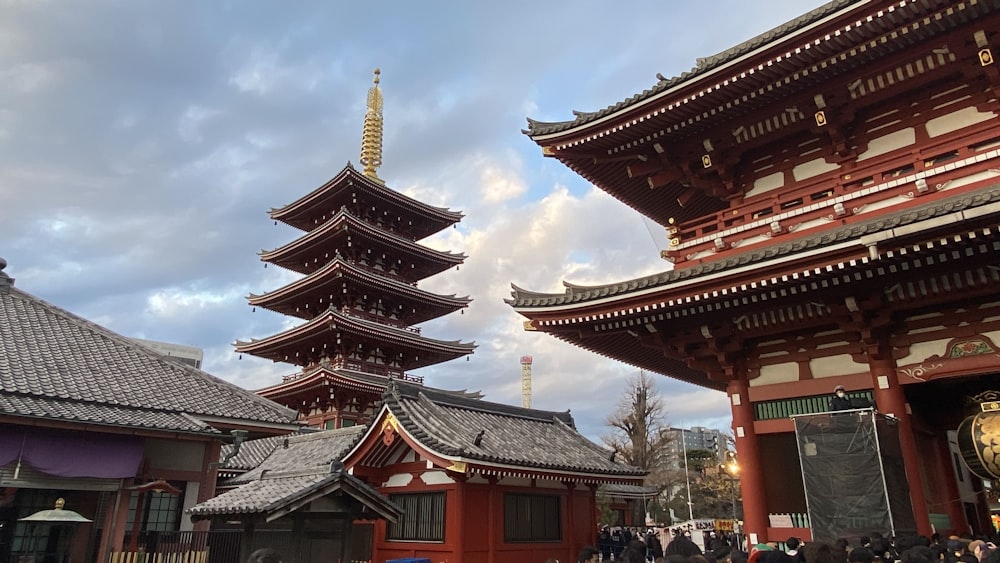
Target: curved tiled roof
point(305, 452)
point(297, 469)
point(704, 65)
point(331, 320)
point(432, 304)
point(434, 218)
point(277, 495)
point(448, 424)
point(54, 364)
point(251, 453)
point(344, 221)
point(524, 299)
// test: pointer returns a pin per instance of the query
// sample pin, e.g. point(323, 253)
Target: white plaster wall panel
point(832, 366)
point(191, 490)
point(956, 120)
point(970, 179)
point(923, 350)
point(777, 373)
point(813, 168)
point(767, 183)
point(436, 478)
point(398, 480)
point(889, 143)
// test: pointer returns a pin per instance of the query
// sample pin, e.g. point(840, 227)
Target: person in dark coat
point(839, 401)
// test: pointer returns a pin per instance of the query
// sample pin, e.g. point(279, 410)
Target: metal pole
point(732, 489)
point(687, 476)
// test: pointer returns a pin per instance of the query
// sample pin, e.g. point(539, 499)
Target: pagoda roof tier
point(322, 378)
point(324, 286)
point(331, 330)
point(343, 231)
point(674, 151)
point(351, 187)
point(627, 321)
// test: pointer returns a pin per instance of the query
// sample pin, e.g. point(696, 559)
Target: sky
point(142, 144)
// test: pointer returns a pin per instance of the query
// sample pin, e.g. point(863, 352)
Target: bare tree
point(636, 426)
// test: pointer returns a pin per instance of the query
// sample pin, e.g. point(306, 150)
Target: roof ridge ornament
point(371, 136)
point(6, 282)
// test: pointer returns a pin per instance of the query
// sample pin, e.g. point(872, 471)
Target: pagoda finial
point(371, 136)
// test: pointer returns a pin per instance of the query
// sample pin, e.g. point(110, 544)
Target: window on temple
point(161, 512)
point(531, 518)
point(422, 518)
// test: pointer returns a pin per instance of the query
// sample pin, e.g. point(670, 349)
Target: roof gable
point(457, 432)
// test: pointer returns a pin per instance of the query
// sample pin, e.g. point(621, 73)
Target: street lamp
point(733, 470)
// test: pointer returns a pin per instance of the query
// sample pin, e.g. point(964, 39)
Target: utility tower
point(526, 382)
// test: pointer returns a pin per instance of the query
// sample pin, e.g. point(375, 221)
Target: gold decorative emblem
point(458, 467)
point(528, 327)
point(821, 118)
point(706, 161)
point(390, 429)
point(985, 57)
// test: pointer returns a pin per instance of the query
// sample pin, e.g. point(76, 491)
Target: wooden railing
point(784, 408)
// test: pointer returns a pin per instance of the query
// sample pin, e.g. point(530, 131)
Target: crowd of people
point(630, 545)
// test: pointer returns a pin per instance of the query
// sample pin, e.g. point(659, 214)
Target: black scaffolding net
point(853, 474)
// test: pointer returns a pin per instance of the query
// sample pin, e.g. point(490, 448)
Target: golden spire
point(371, 136)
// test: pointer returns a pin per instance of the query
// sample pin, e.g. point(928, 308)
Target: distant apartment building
point(695, 438)
point(189, 355)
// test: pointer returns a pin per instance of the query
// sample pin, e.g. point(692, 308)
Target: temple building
point(127, 437)
point(361, 261)
point(831, 189)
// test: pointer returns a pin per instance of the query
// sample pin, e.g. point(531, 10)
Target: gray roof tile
point(54, 364)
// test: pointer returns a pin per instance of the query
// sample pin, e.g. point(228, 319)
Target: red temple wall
point(482, 526)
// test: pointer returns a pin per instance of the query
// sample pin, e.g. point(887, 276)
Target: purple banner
point(71, 454)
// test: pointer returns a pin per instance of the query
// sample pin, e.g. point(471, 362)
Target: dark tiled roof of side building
point(300, 467)
point(275, 494)
point(57, 365)
point(447, 423)
point(704, 65)
point(302, 452)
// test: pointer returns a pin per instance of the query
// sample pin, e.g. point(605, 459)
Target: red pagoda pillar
point(891, 401)
point(751, 470)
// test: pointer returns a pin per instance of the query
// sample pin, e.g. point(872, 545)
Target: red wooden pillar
point(751, 469)
point(945, 475)
point(491, 521)
point(570, 521)
point(458, 518)
point(891, 401)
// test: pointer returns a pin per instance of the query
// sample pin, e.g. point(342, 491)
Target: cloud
point(137, 167)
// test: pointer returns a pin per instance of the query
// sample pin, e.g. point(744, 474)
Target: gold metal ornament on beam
point(985, 57)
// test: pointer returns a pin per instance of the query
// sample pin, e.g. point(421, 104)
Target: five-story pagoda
point(361, 261)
